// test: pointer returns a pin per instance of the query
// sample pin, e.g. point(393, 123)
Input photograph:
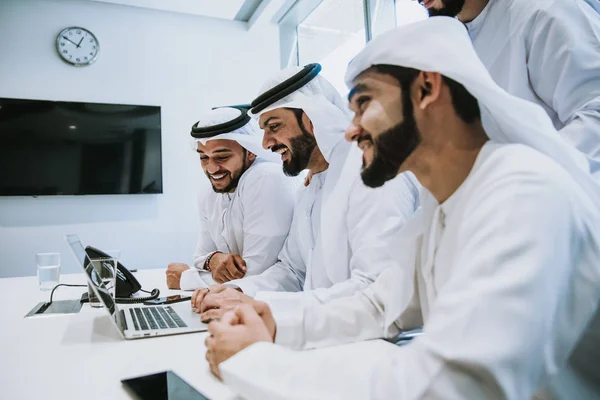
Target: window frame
point(297, 13)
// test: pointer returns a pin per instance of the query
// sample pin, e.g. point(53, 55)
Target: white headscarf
point(324, 106)
point(248, 136)
point(442, 44)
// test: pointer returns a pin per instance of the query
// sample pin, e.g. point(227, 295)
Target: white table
point(82, 356)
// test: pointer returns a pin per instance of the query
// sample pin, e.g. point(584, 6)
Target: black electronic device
point(77, 148)
point(162, 386)
point(126, 284)
point(176, 298)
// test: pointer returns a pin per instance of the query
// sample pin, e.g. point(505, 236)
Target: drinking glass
point(48, 270)
point(104, 277)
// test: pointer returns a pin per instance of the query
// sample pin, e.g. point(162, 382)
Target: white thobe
point(506, 278)
point(547, 52)
point(304, 273)
point(252, 222)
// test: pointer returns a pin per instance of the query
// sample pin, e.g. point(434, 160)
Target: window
point(383, 16)
point(332, 32)
point(332, 35)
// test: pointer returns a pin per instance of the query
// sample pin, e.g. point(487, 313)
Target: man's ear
point(251, 156)
point(429, 86)
point(307, 123)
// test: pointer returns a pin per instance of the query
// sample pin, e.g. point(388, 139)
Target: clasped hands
point(237, 321)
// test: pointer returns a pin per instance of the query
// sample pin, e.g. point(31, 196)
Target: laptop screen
point(93, 279)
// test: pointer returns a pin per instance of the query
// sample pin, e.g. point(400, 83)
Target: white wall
point(182, 63)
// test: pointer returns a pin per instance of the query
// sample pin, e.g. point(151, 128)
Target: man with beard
point(246, 217)
point(544, 51)
point(505, 247)
point(334, 248)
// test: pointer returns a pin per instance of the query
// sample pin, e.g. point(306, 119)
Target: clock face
point(77, 46)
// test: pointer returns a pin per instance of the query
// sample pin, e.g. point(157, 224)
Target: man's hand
point(227, 267)
point(217, 300)
point(199, 295)
point(174, 271)
point(237, 330)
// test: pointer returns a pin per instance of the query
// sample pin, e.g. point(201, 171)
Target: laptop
point(140, 321)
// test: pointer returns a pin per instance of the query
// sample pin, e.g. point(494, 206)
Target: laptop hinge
point(122, 321)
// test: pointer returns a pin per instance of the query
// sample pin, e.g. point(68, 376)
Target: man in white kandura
point(335, 247)
point(506, 247)
point(245, 219)
point(544, 51)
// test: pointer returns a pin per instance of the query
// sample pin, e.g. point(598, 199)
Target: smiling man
point(500, 263)
point(246, 217)
point(544, 51)
point(340, 233)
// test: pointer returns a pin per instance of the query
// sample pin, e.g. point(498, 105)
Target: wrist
point(207, 262)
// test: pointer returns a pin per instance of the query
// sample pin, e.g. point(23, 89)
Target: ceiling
point(240, 10)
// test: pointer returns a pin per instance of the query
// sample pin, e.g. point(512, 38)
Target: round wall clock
point(77, 46)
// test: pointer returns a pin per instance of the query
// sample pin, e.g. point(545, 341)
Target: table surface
point(82, 355)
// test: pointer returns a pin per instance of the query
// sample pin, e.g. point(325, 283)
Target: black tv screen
point(67, 148)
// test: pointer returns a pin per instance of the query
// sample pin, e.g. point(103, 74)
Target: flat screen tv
point(68, 148)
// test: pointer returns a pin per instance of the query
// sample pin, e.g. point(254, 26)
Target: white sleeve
point(287, 274)
point(492, 330)
point(205, 245)
point(364, 316)
point(563, 63)
point(191, 279)
point(268, 206)
point(374, 217)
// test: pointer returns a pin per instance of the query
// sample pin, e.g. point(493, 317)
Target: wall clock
point(77, 46)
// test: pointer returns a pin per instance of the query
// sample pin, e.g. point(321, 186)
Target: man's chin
point(289, 169)
point(377, 176)
point(219, 187)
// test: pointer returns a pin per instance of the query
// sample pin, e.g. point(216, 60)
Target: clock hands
point(76, 44)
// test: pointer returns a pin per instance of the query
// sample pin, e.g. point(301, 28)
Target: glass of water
point(48, 269)
point(104, 278)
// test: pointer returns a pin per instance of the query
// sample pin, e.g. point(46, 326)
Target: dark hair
point(298, 114)
point(464, 103)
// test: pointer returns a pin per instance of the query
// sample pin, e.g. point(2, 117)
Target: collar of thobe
point(305, 89)
point(320, 178)
point(505, 118)
point(231, 123)
point(453, 201)
point(475, 25)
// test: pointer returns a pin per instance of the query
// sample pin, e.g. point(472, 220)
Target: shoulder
point(511, 169)
point(545, 15)
point(260, 169)
point(265, 179)
point(531, 8)
point(206, 194)
point(261, 173)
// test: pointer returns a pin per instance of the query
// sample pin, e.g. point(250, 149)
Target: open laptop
point(140, 321)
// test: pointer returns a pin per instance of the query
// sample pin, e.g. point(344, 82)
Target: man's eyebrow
point(361, 87)
point(217, 151)
point(267, 122)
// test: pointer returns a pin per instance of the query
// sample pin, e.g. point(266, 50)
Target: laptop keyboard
point(153, 318)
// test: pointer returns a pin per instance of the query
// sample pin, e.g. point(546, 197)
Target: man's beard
point(451, 8)
point(301, 148)
point(392, 148)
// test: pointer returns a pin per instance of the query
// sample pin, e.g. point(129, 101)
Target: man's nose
point(353, 132)
point(212, 167)
point(267, 142)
